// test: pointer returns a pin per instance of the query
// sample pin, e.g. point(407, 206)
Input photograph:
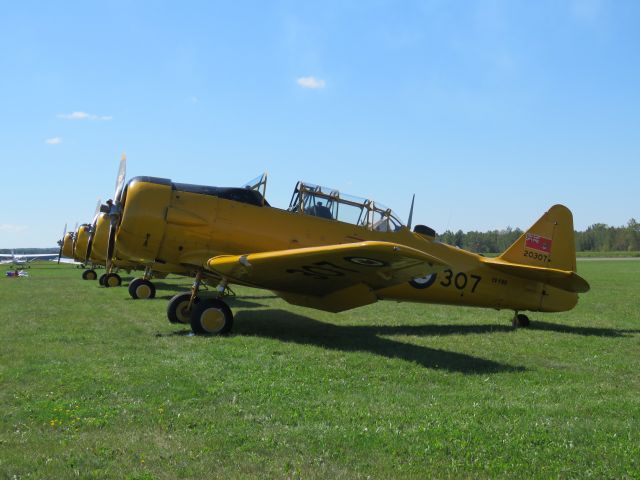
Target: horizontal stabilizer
point(563, 279)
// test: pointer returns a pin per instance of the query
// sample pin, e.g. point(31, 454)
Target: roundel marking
point(366, 262)
point(423, 282)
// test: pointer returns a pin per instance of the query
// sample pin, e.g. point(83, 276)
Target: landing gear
point(520, 320)
point(142, 288)
point(89, 275)
point(178, 309)
point(211, 317)
point(112, 280)
point(101, 279)
point(181, 305)
point(208, 316)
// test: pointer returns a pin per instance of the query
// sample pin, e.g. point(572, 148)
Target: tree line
point(596, 238)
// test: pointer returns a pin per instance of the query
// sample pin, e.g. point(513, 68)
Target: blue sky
point(490, 111)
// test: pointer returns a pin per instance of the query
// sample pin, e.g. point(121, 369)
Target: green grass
point(96, 385)
point(616, 254)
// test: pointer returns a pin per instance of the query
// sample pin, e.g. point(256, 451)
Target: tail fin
point(546, 253)
point(548, 243)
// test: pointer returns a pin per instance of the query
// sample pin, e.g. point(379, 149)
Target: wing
point(331, 277)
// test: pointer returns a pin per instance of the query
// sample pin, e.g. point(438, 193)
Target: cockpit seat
point(319, 211)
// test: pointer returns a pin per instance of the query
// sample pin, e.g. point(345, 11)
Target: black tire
point(101, 279)
point(112, 280)
point(177, 308)
point(520, 320)
point(211, 317)
point(143, 289)
point(89, 275)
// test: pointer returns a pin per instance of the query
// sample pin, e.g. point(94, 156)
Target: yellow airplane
point(88, 245)
point(139, 288)
point(74, 246)
point(329, 251)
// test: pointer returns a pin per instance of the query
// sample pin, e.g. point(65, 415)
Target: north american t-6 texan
point(326, 251)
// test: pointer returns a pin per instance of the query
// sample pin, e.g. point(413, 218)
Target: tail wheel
point(142, 289)
point(112, 280)
point(520, 320)
point(89, 275)
point(178, 308)
point(101, 279)
point(211, 317)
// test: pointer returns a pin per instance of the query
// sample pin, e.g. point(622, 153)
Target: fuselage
point(182, 226)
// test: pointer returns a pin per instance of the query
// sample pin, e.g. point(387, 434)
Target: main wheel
point(101, 279)
point(112, 280)
point(89, 275)
point(178, 308)
point(141, 288)
point(211, 317)
point(520, 320)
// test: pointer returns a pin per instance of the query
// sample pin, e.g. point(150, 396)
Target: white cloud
point(83, 116)
point(9, 228)
point(53, 141)
point(310, 82)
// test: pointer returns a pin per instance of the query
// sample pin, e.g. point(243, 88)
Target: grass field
point(96, 385)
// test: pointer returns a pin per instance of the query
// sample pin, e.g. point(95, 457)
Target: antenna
point(411, 212)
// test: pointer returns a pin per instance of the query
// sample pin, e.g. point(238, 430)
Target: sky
point(489, 111)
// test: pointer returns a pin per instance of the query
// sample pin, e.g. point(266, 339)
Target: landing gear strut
point(520, 320)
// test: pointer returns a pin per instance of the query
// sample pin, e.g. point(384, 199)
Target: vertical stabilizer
point(548, 243)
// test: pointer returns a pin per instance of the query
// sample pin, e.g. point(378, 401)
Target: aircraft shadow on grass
point(289, 327)
point(585, 331)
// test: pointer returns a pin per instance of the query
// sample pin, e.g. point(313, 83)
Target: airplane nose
point(67, 245)
point(142, 223)
point(100, 237)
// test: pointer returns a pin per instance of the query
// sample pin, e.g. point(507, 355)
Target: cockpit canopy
point(330, 204)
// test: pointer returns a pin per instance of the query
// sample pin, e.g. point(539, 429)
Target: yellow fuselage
point(181, 230)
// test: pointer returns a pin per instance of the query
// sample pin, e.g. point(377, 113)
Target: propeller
point(92, 229)
point(61, 242)
point(74, 235)
point(411, 212)
point(97, 211)
point(115, 210)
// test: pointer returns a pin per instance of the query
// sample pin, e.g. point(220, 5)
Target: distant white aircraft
point(23, 260)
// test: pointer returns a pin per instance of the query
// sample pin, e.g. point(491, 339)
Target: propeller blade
point(411, 212)
point(111, 244)
point(122, 173)
point(64, 234)
point(97, 211)
point(115, 210)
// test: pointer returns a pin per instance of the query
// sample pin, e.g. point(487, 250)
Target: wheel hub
point(183, 312)
point(143, 291)
point(212, 320)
